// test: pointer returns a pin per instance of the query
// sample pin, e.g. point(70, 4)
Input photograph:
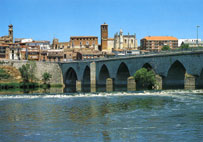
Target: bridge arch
point(86, 80)
point(122, 77)
point(175, 77)
point(103, 75)
point(147, 66)
point(70, 80)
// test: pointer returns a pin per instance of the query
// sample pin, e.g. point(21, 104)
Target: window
point(87, 43)
point(125, 41)
point(132, 41)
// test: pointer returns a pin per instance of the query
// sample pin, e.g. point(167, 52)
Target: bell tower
point(10, 32)
point(55, 43)
point(104, 36)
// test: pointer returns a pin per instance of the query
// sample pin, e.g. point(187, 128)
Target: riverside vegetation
point(145, 79)
point(26, 78)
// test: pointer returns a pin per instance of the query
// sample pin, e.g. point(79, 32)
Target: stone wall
point(41, 67)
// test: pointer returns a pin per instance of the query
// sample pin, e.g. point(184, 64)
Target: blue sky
point(44, 19)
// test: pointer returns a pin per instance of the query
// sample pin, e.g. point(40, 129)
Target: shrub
point(28, 72)
point(165, 48)
point(184, 46)
point(4, 74)
point(145, 78)
point(46, 77)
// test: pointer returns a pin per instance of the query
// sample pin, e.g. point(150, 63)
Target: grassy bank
point(6, 86)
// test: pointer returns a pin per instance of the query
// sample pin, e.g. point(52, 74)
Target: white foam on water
point(179, 94)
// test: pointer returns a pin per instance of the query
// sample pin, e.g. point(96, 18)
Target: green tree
point(4, 74)
point(184, 46)
point(24, 71)
point(46, 77)
point(32, 71)
point(165, 48)
point(28, 72)
point(145, 78)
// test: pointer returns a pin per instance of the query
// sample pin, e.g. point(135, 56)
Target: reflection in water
point(32, 91)
point(91, 109)
point(105, 118)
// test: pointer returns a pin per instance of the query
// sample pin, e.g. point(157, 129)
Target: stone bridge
point(181, 70)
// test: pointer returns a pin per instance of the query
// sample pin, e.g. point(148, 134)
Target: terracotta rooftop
point(4, 45)
point(160, 38)
point(42, 41)
point(83, 37)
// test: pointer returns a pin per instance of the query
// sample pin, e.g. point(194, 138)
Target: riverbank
point(21, 88)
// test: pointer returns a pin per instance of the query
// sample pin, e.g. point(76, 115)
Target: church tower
point(10, 32)
point(55, 43)
point(104, 36)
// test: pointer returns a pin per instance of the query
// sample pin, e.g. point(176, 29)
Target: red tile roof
point(160, 38)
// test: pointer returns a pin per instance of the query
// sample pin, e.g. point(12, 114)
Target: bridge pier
point(190, 82)
point(109, 85)
point(131, 84)
point(93, 80)
point(78, 86)
point(159, 82)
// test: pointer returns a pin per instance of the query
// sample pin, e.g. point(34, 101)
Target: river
point(148, 116)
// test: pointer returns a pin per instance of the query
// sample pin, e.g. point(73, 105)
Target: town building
point(120, 52)
point(34, 50)
point(126, 42)
point(80, 42)
point(155, 43)
point(119, 42)
point(10, 51)
point(193, 44)
point(104, 37)
point(55, 55)
point(4, 51)
point(60, 45)
point(110, 45)
point(14, 51)
point(9, 37)
point(192, 41)
point(23, 40)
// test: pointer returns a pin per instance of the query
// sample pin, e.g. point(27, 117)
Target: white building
point(194, 41)
point(122, 42)
point(23, 40)
point(125, 41)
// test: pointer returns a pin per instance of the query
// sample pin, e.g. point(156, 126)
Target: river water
point(162, 116)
